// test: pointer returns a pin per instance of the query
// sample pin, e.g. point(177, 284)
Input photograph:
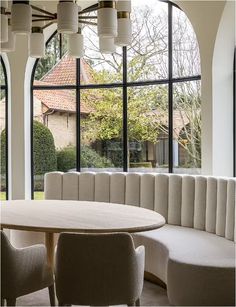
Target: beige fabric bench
point(194, 253)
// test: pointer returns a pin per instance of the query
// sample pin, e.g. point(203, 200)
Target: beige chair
point(23, 270)
point(98, 269)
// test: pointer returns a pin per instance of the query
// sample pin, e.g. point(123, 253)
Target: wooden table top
point(77, 216)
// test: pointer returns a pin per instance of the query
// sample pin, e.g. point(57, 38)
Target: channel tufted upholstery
point(203, 206)
point(203, 203)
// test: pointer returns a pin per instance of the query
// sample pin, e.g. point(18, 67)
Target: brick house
point(56, 109)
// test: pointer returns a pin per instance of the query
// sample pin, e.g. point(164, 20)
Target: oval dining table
point(56, 216)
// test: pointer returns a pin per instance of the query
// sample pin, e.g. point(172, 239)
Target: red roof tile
point(64, 72)
point(59, 100)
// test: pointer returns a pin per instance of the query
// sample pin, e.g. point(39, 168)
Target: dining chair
point(23, 271)
point(98, 269)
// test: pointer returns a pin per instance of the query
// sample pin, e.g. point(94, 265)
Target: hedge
point(66, 159)
point(44, 154)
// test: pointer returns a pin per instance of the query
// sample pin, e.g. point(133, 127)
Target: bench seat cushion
point(187, 259)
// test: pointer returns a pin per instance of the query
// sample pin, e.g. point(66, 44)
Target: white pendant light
point(76, 45)
point(4, 22)
point(4, 4)
point(4, 28)
point(107, 45)
point(67, 17)
point(21, 19)
point(10, 44)
point(124, 36)
point(36, 43)
point(107, 19)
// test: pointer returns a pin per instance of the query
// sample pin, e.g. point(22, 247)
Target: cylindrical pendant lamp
point(107, 45)
point(107, 19)
point(21, 19)
point(10, 44)
point(36, 43)
point(67, 17)
point(124, 36)
point(4, 26)
point(76, 45)
point(4, 4)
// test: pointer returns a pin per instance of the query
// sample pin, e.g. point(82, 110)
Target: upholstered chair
point(23, 270)
point(98, 269)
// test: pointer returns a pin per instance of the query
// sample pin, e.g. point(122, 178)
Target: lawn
point(2, 195)
point(37, 195)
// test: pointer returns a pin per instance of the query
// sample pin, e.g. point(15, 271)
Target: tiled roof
point(59, 100)
point(64, 72)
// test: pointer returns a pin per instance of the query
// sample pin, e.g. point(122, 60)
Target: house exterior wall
point(63, 128)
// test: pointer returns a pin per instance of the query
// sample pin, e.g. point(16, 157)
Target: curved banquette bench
point(194, 253)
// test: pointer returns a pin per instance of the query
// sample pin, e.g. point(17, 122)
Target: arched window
point(121, 112)
point(3, 134)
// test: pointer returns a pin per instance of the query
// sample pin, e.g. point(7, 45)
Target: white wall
point(223, 93)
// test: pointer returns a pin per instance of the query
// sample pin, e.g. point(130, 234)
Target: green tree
point(44, 154)
point(148, 105)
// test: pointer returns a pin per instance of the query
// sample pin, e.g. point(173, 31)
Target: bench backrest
point(204, 203)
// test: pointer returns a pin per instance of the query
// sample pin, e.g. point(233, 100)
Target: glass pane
point(148, 54)
point(98, 68)
point(3, 146)
point(148, 128)
point(101, 130)
point(186, 56)
point(53, 70)
point(54, 134)
point(187, 127)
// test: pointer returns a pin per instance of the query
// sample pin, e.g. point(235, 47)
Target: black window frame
point(125, 84)
point(4, 87)
point(234, 114)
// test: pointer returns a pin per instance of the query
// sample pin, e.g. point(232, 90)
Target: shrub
point(90, 158)
point(66, 159)
point(44, 149)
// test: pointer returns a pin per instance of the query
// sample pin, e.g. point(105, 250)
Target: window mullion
point(170, 90)
point(125, 112)
point(78, 122)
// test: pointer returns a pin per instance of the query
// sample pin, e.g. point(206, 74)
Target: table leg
point(49, 242)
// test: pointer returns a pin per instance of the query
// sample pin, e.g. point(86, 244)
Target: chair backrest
point(201, 202)
point(97, 269)
point(7, 272)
